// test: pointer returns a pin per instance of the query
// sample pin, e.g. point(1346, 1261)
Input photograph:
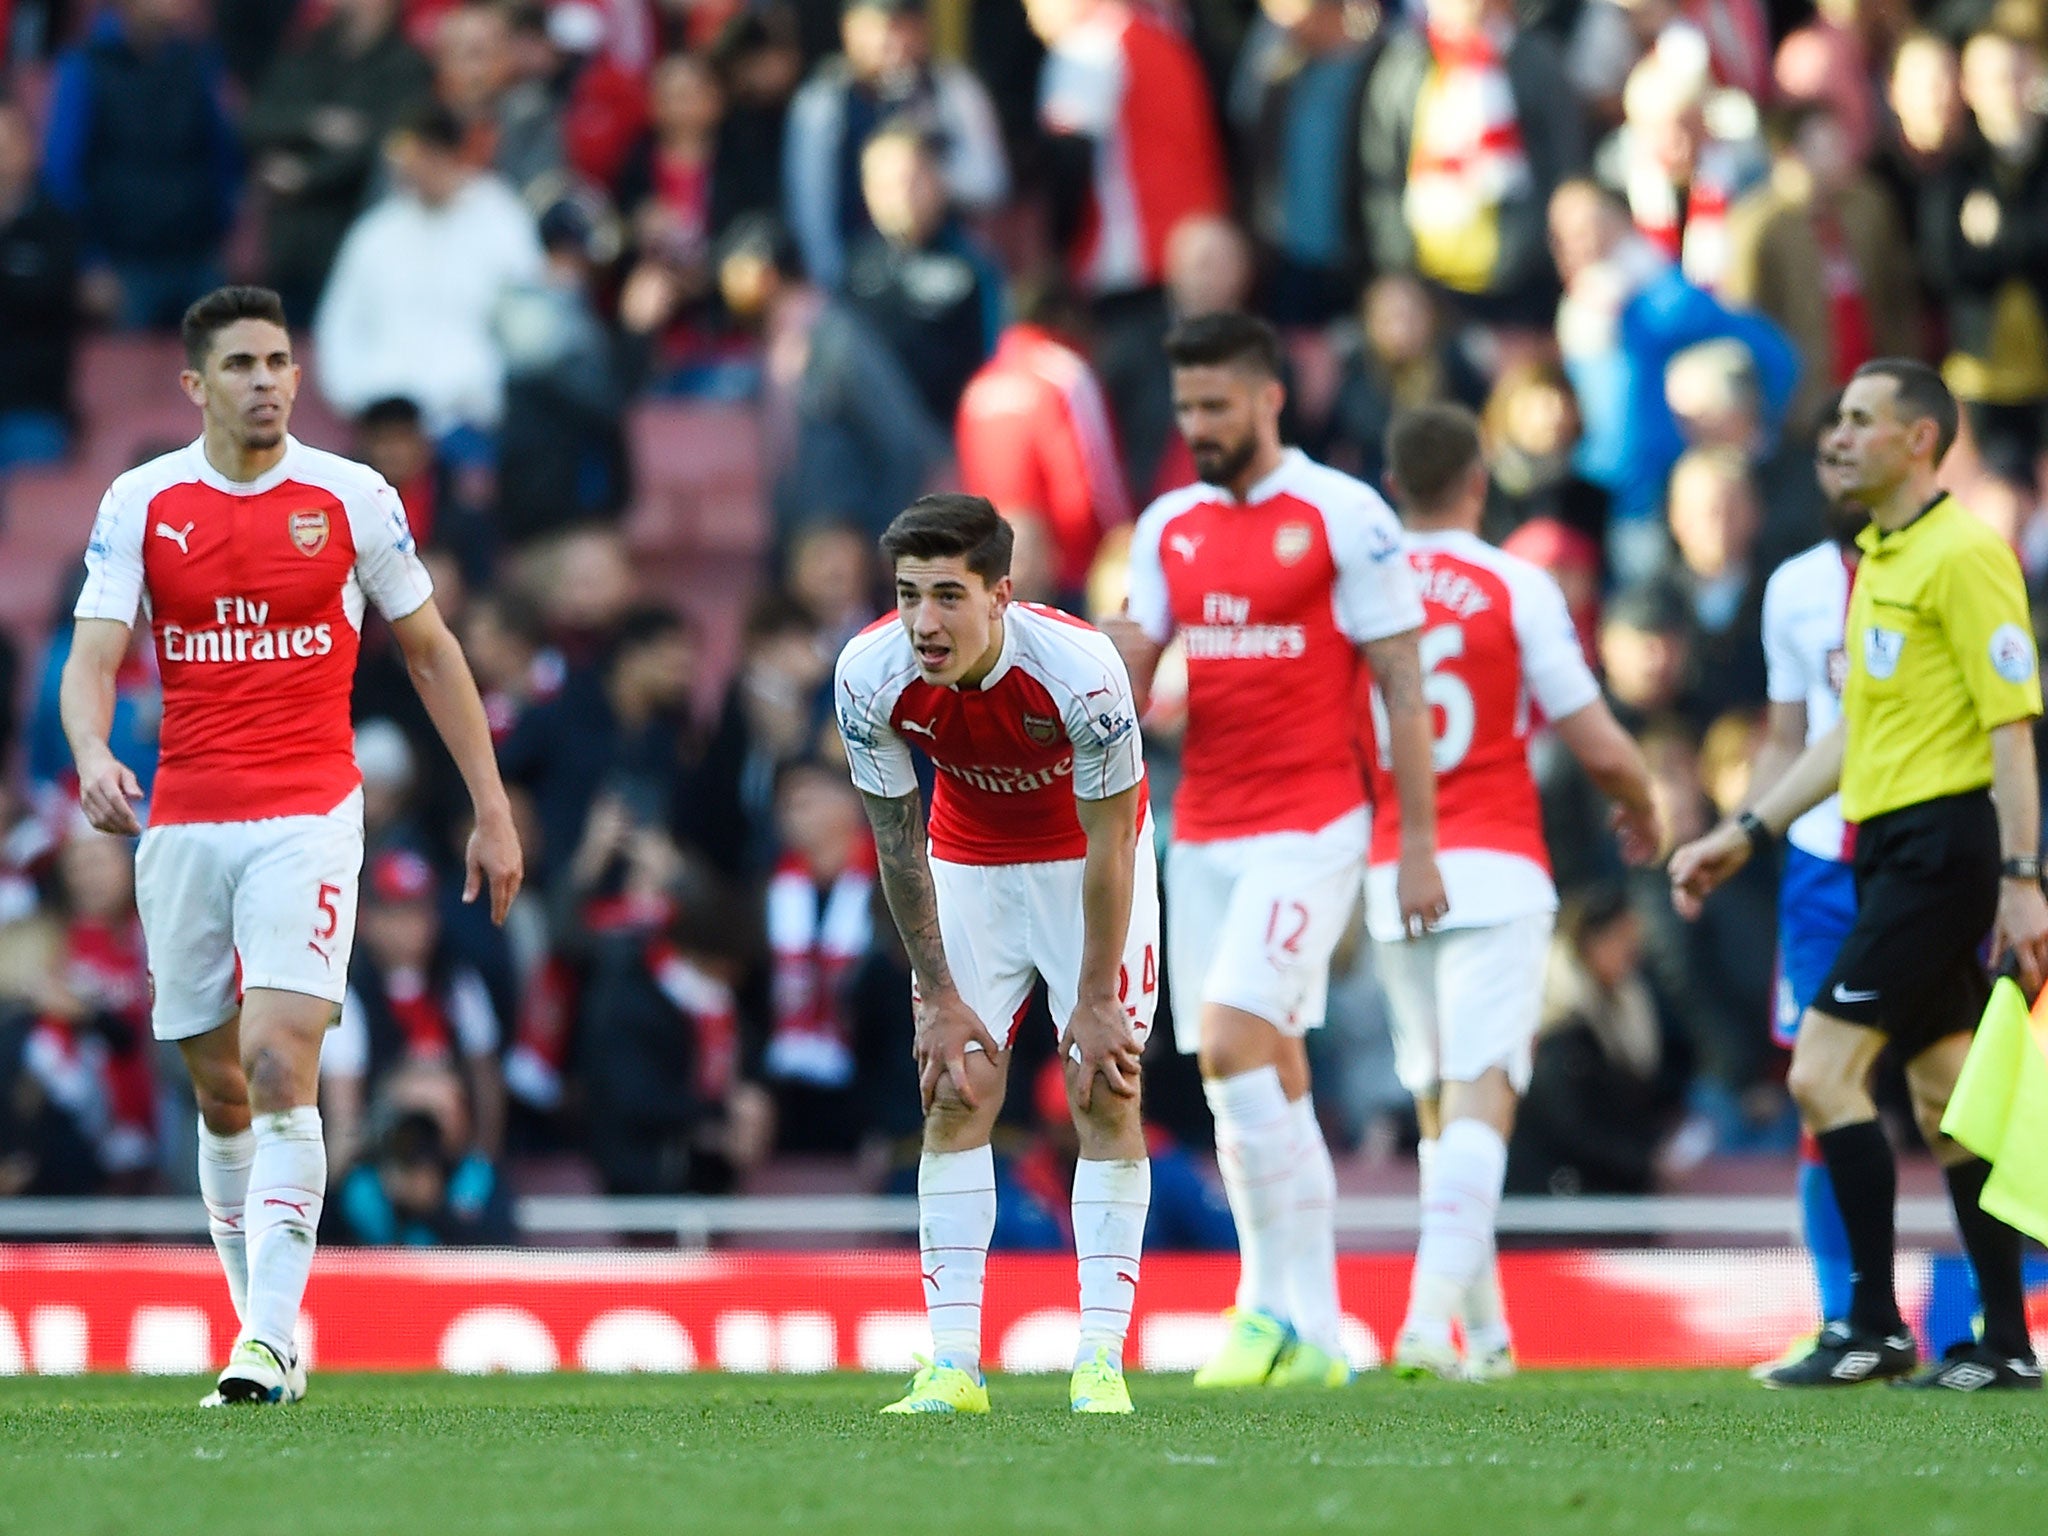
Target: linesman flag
point(1999, 1109)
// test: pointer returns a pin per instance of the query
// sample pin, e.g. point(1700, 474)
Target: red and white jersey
point(1806, 609)
point(1496, 640)
point(255, 594)
point(1272, 597)
point(1131, 84)
point(1052, 722)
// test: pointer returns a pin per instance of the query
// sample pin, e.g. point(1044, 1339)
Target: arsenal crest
point(1042, 729)
point(309, 530)
point(1291, 542)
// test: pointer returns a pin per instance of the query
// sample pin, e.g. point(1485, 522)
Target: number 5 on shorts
point(330, 915)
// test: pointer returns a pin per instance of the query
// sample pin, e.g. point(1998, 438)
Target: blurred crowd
point(930, 243)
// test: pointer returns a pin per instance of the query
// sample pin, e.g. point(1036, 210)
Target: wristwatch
point(1752, 826)
point(2025, 867)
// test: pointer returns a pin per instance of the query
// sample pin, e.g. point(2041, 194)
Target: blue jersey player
point(1805, 604)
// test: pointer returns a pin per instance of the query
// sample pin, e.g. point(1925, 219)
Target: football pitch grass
point(1609, 1452)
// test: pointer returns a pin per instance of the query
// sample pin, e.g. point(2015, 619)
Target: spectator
point(1647, 652)
point(618, 731)
point(408, 308)
point(1297, 94)
point(1679, 176)
point(1131, 153)
point(1729, 39)
point(670, 1107)
point(1034, 437)
point(675, 189)
point(562, 451)
point(920, 283)
point(1715, 524)
point(507, 120)
point(758, 58)
point(1466, 136)
point(416, 1023)
point(1714, 395)
point(405, 1194)
point(507, 647)
point(1532, 426)
point(885, 74)
point(1395, 358)
point(1984, 241)
point(1572, 558)
point(315, 130)
point(832, 573)
point(1925, 94)
point(1829, 62)
point(390, 770)
point(777, 711)
point(1627, 312)
point(1818, 249)
point(139, 151)
point(1598, 1104)
point(819, 905)
point(585, 583)
point(39, 317)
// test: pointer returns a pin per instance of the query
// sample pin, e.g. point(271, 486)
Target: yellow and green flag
point(1999, 1109)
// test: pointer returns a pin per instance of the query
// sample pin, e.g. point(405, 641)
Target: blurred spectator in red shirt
point(1034, 436)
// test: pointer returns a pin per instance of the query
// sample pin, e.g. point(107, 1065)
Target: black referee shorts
point(1926, 896)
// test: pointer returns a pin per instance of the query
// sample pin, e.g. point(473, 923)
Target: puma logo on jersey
point(1186, 545)
point(177, 536)
point(927, 731)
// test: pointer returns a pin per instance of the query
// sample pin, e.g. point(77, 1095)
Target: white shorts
point(1466, 1000)
point(1252, 922)
point(278, 896)
point(1004, 925)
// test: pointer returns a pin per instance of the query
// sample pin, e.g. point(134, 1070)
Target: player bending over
point(1040, 864)
point(252, 557)
point(1277, 573)
point(1465, 997)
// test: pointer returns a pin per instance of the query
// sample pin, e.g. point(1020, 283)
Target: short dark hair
point(645, 624)
point(1921, 396)
point(218, 310)
point(1430, 449)
point(1229, 338)
point(391, 411)
point(952, 523)
point(434, 124)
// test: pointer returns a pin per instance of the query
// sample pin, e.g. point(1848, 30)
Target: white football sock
point(287, 1188)
point(1461, 1195)
point(1255, 1153)
point(956, 1218)
point(1482, 1313)
point(224, 1186)
point(1312, 1255)
point(1111, 1198)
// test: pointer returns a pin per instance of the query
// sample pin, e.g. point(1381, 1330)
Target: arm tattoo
point(1397, 668)
point(907, 883)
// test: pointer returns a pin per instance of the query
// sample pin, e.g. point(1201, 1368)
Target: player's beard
point(1218, 465)
point(1843, 519)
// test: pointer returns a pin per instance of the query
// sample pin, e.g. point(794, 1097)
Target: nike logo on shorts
point(1843, 995)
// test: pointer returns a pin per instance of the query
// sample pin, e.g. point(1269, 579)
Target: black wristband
point(1752, 825)
point(2024, 867)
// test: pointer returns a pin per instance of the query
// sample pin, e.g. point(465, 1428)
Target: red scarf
point(1473, 137)
point(714, 1016)
point(418, 1013)
point(818, 937)
point(1698, 242)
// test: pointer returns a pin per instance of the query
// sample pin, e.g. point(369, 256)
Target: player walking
point(251, 556)
point(1806, 603)
point(1277, 573)
point(1040, 864)
point(1466, 997)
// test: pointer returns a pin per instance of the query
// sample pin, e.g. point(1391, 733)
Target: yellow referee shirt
point(1941, 651)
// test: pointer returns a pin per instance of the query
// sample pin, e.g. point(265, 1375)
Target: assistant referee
point(1935, 762)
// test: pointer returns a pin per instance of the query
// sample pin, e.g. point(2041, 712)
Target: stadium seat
point(697, 475)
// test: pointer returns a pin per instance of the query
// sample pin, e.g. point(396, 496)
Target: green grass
point(1579, 1452)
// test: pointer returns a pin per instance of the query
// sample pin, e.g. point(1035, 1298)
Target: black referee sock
point(1866, 1180)
point(1994, 1250)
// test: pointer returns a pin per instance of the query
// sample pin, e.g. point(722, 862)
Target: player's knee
point(276, 1080)
point(1816, 1088)
point(222, 1097)
point(1927, 1115)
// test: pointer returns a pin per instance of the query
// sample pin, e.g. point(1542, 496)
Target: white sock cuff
point(1425, 1161)
point(1122, 1180)
point(301, 1124)
point(1478, 1146)
point(1248, 1099)
point(1303, 1110)
point(232, 1151)
point(957, 1173)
